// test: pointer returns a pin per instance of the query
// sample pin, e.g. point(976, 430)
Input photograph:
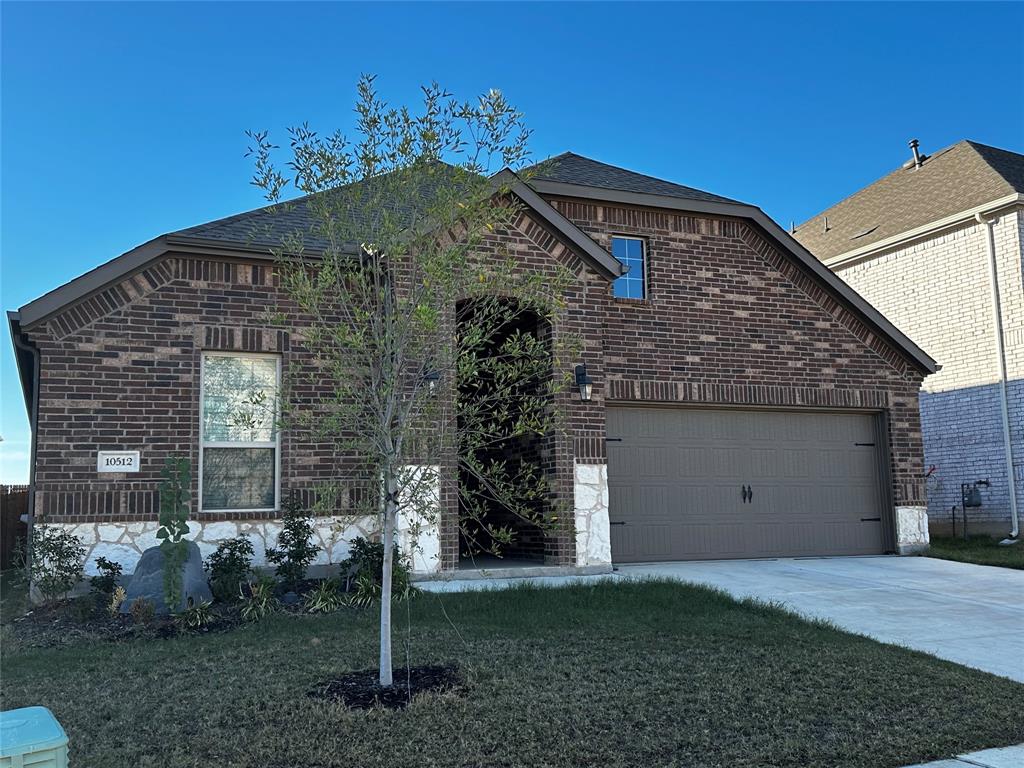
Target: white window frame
point(644, 283)
point(203, 444)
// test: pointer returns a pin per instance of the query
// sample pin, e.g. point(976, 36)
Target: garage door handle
point(871, 519)
point(746, 493)
point(619, 522)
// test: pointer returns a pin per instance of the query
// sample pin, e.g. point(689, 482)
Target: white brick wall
point(937, 291)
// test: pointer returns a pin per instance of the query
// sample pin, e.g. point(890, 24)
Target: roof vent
point(918, 159)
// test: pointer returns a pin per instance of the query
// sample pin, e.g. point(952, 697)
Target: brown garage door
point(691, 484)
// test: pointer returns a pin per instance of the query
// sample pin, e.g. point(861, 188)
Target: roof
point(570, 168)
point(953, 180)
point(569, 175)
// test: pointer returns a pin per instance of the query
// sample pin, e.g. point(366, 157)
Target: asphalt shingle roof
point(952, 180)
point(570, 168)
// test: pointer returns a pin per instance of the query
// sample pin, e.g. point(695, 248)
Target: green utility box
point(32, 738)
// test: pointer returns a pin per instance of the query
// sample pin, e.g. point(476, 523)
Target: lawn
point(980, 550)
point(627, 674)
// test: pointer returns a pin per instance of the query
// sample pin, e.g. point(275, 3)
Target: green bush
point(364, 567)
point(294, 551)
point(57, 559)
point(229, 567)
point(260, 602)
point(104, 582)
point(325, 597)
point(195, 616)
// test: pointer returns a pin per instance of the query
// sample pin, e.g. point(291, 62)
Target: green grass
point(628, 674)
point(980, 550)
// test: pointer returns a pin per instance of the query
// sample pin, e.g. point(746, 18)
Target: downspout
point(997, 317)
point(33, 420)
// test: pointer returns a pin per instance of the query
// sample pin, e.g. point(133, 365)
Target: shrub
point(261, 601)
point(116, 599)
point(57, 559)
point(196, 616)
point(229, 568)
point(293, 552)
point(142, 610)
point(364, 567)
point(325, 597)
point(105, 581)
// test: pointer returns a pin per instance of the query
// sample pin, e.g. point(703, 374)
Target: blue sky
point(124, 121)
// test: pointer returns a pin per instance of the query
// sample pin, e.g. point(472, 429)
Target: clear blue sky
point(124, 121)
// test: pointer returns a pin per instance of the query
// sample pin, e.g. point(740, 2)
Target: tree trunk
point(388, 540)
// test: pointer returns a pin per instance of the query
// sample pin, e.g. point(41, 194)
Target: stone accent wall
point(911, 530)
point(593, 535)
point(937, 291)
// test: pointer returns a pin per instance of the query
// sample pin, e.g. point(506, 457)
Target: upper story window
point(239, 451)
point(631, 252)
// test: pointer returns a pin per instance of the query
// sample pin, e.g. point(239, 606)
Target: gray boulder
point(148, 580)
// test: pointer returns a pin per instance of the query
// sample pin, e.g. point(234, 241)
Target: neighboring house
point(747, 403)
point(933, 245)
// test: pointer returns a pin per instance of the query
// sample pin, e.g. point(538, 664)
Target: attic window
point(632, 253)
point(867, 231)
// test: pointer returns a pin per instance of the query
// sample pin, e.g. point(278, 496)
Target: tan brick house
point(746, 403)
point(938, 246)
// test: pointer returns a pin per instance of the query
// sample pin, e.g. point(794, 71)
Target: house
point(746, 401)
point(938, 246)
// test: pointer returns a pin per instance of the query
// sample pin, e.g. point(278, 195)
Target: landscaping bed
point(980, 550)
point(604, 674)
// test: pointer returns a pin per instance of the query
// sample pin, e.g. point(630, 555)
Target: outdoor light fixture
point(431, 378)
point(584, 382)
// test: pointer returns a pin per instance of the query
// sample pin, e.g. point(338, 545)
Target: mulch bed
point(361, 690)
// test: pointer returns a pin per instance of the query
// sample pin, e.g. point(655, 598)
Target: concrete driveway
point(970, 614)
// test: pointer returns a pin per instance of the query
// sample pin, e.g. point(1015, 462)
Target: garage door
point(691, 484)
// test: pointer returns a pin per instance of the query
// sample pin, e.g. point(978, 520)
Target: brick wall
point(730, 320)
point(936, 290)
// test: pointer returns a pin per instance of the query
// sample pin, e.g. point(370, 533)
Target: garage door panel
point(675, 483)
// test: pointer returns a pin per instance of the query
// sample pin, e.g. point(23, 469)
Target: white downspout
point(997, 317)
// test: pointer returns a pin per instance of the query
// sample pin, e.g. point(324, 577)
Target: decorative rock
point(122, 554)
point(148, 580)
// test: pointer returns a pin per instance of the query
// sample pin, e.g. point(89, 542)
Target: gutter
point(30, 389)
point(989, 223)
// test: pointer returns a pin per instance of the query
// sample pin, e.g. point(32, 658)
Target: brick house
point(938, 246)
point(746, 401)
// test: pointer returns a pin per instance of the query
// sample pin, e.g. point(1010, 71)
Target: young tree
point(413, 313)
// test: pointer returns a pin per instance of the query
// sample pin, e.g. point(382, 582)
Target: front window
point(633, 284)
point(239, 449)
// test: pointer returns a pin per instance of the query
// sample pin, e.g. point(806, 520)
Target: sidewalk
point(1004, 757)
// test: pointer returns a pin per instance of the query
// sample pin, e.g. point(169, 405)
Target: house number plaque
point(117, 461)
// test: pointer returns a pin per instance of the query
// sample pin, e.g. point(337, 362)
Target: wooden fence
point(13, 530)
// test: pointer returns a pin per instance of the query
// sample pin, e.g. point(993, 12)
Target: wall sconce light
point(584, 382)
point(431, 378)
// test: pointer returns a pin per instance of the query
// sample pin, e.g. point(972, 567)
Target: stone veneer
point(911, 530)
point(593, 543)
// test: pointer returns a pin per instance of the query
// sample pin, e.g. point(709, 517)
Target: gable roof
point(953, 180)
point(254, 233)
point(570, 168)
point(580, 177)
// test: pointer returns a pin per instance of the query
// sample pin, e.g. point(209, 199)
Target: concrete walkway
point(969, 614)
point(1005, 757)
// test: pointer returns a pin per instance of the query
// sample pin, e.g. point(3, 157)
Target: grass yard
point(980, 550)
point(628, 674)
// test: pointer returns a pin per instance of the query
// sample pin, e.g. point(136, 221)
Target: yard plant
point(413, 312)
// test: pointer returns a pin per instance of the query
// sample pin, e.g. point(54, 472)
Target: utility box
point(32, 738)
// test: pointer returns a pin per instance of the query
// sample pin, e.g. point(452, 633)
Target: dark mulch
point(361, 690)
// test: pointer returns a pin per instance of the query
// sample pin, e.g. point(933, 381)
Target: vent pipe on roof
point(918, 157)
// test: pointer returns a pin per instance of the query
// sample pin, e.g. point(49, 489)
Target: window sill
point(632, 302)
